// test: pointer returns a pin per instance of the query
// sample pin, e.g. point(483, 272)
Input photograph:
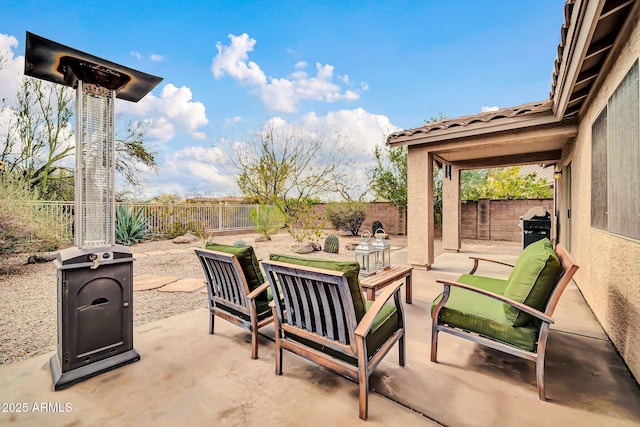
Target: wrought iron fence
point(164, 219)
point(57, 217)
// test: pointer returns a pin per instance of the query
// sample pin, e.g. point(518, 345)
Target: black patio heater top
point(95, 278)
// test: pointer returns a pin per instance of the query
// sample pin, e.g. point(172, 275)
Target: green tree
point(503, 183)
point(292, 169)
point(39, 137)
point(389, 176)
point(132, 149)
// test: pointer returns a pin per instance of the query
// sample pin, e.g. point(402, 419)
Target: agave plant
point(130, 227)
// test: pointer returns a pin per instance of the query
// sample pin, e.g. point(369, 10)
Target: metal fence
point(168, 218)
point(163, 218)
point(57, 217)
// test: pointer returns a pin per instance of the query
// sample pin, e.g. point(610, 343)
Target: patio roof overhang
point(587, 48)
point(526, 134)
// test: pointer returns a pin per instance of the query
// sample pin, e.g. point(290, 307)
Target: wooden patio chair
point(317, 318)
point(512, 316)
point(236, 288)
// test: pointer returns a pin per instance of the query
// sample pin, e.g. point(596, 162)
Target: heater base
point(62, 380)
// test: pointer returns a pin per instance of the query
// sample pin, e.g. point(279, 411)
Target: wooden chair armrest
point(366, 323)
point(522, 307)
point(476, 261)
point(257, 291)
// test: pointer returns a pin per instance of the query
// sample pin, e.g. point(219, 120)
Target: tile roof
point(484, 117)
point(568, 9)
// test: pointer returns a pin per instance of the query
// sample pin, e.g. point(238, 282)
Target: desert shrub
point(347, 216)
point(131, 227)
point(24, 225)
point(302, 220)
point(179, 228)
point(268, 219)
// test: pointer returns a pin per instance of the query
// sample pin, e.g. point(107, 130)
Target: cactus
point(332, 244)
point(376, 225)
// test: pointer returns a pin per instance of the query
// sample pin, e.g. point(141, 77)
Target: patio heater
point(95, 278)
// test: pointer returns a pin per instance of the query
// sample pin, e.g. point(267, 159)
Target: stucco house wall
point(609, 274)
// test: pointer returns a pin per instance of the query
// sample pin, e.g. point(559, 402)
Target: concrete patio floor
point(188, 377)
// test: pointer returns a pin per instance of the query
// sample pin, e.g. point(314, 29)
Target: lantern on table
point(383, 250)
point(366, 254)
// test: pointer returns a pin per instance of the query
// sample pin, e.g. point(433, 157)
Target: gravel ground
point(28, 313)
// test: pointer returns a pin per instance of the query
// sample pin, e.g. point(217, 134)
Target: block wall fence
point(504, 218)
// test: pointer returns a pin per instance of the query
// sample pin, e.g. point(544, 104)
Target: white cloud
point(232, 121)
point(154, 57)
point(232, 60)
point(171, 113)
point(280, 94)
point(157, 58)
point(359, 128)
point(486, 109)
point(189, 171)
point(11, 68)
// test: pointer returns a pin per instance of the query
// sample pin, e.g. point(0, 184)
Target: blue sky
point(363, 68)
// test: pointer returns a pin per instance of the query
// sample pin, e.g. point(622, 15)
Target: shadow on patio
point(188, 377)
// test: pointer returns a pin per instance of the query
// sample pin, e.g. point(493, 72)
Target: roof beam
point(511, 160)
point(586, 77)
point(578, 97)
point(616, 9)
point(598, 48)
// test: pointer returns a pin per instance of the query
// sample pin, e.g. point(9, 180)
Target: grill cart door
point(95, 313)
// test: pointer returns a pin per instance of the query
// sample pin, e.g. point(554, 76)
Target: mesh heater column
point(95, 166)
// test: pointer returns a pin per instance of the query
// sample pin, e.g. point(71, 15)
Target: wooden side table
point(382, 278)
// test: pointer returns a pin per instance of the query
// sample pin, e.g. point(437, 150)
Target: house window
point(615, 160)
point(599, 172)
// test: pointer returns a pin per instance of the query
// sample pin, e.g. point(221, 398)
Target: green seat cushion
point(249, 264)
point(262, 308)
point(349, 268)
point(485, 316)
point(384, 326)
point(532, 279)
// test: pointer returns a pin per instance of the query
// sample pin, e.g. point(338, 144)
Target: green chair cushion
point(249, 264)
point(384, 325)
point(532, 280)
point(484, 315)
point(262, 308)
point(351, 269)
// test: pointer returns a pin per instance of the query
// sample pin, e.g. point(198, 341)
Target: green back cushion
point(248, 261)
point(349, 268)
point(532, 279)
